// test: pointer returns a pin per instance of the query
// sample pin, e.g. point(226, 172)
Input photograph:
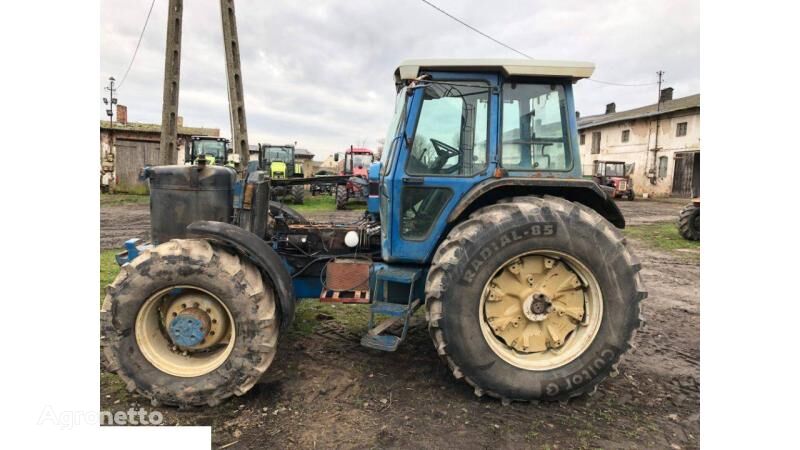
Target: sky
point(320, 72)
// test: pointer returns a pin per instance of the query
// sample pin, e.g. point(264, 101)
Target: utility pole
point(653, 166)
point(235, 90)
point(110, 101)
point(172, 79)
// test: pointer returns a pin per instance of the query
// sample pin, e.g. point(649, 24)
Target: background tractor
point(215, 150)
point(477, 210)
point(354, 165)
point(617, 175)
point(279, 161)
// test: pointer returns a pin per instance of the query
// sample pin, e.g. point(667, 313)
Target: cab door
point(450, 144)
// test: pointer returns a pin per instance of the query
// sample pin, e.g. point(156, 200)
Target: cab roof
point(576, 70)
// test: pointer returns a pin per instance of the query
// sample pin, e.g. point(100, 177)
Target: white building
point(659, 142)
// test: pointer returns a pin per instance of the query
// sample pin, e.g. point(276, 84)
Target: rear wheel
point(689, 222)
point(533, 299)
point(298, 193)
point(189, 323)
point(341, 196)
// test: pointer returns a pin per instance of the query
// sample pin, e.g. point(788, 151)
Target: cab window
point(535, 127)
point(450, 137)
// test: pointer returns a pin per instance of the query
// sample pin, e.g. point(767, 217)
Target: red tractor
point(615, 174)
point(355, 163)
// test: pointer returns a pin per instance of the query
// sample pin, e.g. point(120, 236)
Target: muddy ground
point(326, 391)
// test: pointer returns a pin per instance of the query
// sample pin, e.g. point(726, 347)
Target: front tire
point(552, 360)
point(189, 278)
point(298, 193)
point(689, 222)
point(341, 196)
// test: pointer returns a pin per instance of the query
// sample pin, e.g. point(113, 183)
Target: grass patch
point(310, 313)
point(324, 203)
point(124, 199)
point(661, 236)
point(108, 270)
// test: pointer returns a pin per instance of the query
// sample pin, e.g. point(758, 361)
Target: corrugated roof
point(156, 128)
point(302, 152)
point(669, 106)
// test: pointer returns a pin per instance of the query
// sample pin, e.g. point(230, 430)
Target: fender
point(257, 251)
point(578, 190)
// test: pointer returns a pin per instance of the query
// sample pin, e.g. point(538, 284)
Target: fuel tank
point(180, 195)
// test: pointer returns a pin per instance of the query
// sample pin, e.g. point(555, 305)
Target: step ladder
point(376, 337)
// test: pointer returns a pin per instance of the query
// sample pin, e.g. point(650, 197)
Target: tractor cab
point(467, 132)
point(615, 174)
point(356, 161)
point(213, 149)
point(279, 160)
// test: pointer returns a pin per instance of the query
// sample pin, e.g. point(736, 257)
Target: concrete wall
point(635, 151)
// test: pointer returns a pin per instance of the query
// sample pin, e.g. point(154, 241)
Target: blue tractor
point(477, 210)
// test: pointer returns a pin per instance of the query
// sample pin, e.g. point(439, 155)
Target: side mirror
point(336, 157)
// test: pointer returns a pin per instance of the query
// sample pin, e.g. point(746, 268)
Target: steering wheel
point(443, 154)
point(443, 150)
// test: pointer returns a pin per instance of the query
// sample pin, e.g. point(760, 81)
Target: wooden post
point(172, 79)
point(235, 90)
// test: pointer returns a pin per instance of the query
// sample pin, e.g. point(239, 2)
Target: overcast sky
point(320, 72)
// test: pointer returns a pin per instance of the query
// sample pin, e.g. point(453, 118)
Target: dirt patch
point(324, 390)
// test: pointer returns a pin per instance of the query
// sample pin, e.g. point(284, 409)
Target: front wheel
point(341, 196)
point(298, 194)
point(689, 222)
point(189, 323)
point(533, 299)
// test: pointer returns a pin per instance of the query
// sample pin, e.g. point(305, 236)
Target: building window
point(596, 142)
point(626, 135)
point(681, 131)
point(583, 138)
point(662, 166)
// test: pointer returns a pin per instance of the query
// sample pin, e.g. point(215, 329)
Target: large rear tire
point(496, 268)
point(298, 193)
point(689, 222)
point(341, 196)
point(189, 280)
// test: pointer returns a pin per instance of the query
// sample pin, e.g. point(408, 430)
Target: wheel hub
point(537, 306)
point(534, 304)
point(190, 327)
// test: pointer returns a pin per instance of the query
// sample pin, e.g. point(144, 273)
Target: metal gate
point(686, 176)
point(131, 157)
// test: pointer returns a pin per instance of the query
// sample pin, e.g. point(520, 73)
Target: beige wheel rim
point(541, 310)
point(157, 341)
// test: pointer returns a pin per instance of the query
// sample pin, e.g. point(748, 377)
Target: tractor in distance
point(616, 175)
point(354, 165)
point(214, 150)
point(689, 218)
point(477, 211)
point(280, 162)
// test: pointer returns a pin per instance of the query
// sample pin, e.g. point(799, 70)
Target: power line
point(136, 50)
point(623, 84)
point(474, 29)
point(520, 52)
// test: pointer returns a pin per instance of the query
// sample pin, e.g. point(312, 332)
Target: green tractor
point(214, 150)
point(279, 161)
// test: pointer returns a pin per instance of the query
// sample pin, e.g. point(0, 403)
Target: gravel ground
point(324, 390)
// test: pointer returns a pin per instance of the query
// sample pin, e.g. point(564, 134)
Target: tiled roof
point(156, 128)
point(669, 106)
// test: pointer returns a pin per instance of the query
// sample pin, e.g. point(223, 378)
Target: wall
point(635, 151)
point(108, 157)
